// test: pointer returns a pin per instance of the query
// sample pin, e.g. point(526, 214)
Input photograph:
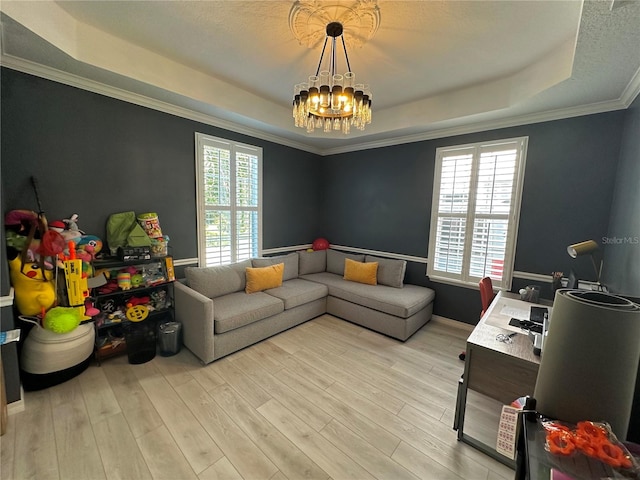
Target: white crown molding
point(528, 119)
point(632, 89)
point(49, 73)
point(631, 92)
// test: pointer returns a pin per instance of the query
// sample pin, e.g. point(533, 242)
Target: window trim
point(513, 216)
point(201, 140)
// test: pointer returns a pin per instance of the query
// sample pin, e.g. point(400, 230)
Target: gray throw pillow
point(312, 262)
point(214, 282)
point(390, 271)
point(335, 261)
point(290, 264)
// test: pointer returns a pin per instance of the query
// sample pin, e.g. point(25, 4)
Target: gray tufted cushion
point(335, 261)
point(290, 264)
point(390, 271)
point(312, 262)
point(214, 282)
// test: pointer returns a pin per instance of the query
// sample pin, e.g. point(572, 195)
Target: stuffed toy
point(124, 280)
point(62, 319)
point(33, 287)
point(71, 224)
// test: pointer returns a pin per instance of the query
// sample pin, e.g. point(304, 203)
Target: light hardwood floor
point(327, 399)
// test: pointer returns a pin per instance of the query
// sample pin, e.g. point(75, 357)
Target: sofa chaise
point(219, 317)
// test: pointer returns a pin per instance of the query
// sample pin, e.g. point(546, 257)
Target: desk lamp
point(583, 248)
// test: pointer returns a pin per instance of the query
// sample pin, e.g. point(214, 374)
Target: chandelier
point(332, 101)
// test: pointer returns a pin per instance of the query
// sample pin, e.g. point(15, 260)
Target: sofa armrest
point(195, 312)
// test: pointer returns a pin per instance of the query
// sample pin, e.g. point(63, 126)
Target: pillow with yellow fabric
point(361, 272)
point(263, 278)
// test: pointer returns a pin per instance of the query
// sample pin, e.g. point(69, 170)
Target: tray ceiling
point(436, 68)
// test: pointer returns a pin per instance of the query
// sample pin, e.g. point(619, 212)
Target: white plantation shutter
point(229, 180)
point(475, 211)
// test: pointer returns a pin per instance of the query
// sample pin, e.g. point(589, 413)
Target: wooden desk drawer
point(500, 376)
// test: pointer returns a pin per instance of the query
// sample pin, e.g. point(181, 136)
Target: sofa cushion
point(390, 271)
point(399, 302)
point(298, 292)
point(259, 279)
point(238, 309)
point(360, 272)
point(214, 282)
point(312, 262)
point(335, 261)
point(290, 264)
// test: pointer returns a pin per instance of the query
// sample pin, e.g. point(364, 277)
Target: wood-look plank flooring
point(325, 400)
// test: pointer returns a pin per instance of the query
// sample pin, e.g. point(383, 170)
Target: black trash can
point(141, 341)
point(170, 338)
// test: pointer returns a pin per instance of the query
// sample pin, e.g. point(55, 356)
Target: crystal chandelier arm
point(322, 55)
point(345, 54)
point(333, 67)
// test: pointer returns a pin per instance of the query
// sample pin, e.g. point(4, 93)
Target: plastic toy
point(89, 309)
point(151, 225)
point(159, 300)
point(124, 280)
point(137, 313)
point(77, 288)
point(33, 287)
point(62, 319)
point(136, 280)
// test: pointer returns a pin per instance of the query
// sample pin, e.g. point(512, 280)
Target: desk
point(501, 371)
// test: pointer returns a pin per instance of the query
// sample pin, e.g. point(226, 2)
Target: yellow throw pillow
point(361, 272)
point(262, 278)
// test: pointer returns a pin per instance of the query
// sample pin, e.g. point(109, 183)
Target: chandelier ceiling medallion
point(330, 100)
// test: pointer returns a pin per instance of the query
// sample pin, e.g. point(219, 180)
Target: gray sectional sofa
point(219, 318)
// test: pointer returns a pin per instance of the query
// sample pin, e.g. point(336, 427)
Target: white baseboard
point(18, 405)
point(453, 323)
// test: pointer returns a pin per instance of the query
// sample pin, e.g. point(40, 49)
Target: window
point(475, 211)
point(229, 199)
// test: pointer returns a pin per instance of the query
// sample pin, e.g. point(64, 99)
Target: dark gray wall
point(94, 156)
point(622, 256)
point(381, 199)
point(622, 252)
point(9, 351)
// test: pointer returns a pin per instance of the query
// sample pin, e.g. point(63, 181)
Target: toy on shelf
point(61, 227)
point(137, 280)
point(134, 301)
point(150, 224)
point(124, 280)
point(137, 313)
